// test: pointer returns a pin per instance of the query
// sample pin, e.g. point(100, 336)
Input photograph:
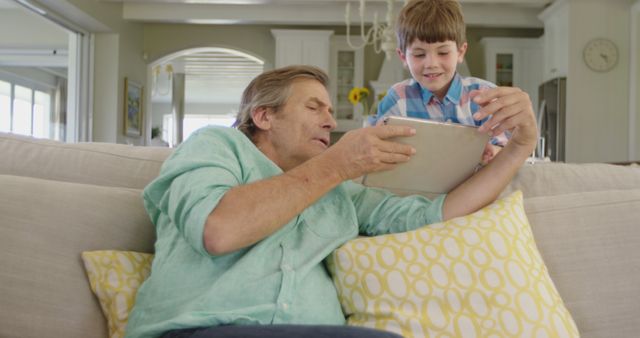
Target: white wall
point(106, 89)
point(636, 94)
point(597, 106)
point(21, 29)
point(118, 54)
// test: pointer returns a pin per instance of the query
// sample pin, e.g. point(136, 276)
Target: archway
point(196, 87)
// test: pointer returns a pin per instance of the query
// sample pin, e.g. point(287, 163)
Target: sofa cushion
point(590, 242)
point(552, 178)
point(474, 276)
point(115, 277)
point(45, 226)
point(106, 164)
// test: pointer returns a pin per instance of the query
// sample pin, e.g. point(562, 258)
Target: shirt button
point(285, 306)
point(286, 267)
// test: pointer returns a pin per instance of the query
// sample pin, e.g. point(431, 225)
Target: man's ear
point(402, 56)
point(461, 51)
point(262, 117)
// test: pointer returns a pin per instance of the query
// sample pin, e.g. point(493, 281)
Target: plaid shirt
point(408, 98)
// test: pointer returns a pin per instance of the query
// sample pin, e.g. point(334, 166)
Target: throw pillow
point(475, 276)
point(115, 277)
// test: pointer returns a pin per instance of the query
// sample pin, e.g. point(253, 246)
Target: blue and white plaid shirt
point(408, 98)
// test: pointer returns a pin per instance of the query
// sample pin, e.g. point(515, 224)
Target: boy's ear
point(402, 56)
point(461, 51)
point(262, 117)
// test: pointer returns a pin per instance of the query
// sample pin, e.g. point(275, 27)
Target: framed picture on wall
point(132, 108)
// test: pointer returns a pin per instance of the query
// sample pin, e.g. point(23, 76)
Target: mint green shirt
point(281, 279)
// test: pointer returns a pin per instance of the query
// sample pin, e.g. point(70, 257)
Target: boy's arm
point(390, 105)
point(511, 109)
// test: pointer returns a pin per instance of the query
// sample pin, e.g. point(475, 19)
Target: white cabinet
point(556, 40)
point(515, 62)
point(344, 65)
point(346, 72)
point(306, 47)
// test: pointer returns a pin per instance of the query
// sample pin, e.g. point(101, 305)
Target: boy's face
point(433, 65)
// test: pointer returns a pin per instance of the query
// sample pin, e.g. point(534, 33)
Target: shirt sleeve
point(192, 182)
point(381, 212)
point(390, 105)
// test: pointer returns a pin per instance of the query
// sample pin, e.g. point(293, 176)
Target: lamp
point(380, 35)
point(162, 78)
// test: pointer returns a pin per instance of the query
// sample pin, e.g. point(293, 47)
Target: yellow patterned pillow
point(115, 277)
point(475, 276)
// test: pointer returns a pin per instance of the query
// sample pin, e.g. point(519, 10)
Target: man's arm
point(248, 213)
point(511, 110)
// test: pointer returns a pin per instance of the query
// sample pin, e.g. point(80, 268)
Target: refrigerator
point(551, 116)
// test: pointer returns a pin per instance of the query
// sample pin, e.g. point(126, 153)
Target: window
point(24, 110)
point(193, 122)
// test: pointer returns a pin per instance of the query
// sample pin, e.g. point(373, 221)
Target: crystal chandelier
point(380, 35)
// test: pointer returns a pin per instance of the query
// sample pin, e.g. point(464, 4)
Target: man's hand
point(490, 151)
point(367, 150)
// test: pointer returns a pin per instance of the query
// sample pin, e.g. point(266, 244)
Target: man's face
point(300, 130)
point(433, 65)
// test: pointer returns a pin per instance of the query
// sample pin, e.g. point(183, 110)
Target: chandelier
point(380, 35)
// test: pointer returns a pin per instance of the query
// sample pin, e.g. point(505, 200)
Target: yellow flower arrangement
point(360, 95)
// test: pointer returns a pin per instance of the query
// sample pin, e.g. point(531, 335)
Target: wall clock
point(601, 55)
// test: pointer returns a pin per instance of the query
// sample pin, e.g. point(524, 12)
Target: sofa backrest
point(44, 226)
point(57, 200)
point(551, 179)
point(107, 164)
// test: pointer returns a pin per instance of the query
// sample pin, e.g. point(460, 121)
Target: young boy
point(431, 42)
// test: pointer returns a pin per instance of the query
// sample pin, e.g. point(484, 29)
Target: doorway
point(197, 87)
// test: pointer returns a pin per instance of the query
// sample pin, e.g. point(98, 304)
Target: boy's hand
point(511, 110)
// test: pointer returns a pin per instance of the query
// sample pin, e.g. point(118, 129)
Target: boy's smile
point(433, 65)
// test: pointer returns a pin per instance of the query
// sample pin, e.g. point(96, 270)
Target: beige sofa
point(57, 200)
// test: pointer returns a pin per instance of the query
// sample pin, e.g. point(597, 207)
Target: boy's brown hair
point(430, 21)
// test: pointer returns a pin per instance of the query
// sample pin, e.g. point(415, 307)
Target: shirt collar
point(453, 94)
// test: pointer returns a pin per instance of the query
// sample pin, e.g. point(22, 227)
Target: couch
point(57, 200)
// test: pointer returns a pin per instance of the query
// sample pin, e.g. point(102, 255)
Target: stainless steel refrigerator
point(551, 119)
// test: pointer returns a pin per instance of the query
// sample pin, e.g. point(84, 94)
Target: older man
point(245, 217)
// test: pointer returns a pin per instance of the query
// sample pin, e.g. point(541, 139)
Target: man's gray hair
point(271, 89)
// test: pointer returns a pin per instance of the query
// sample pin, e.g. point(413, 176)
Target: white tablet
point(446, 155)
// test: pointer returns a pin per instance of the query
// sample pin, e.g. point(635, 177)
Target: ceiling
point(201, 70)
point(496, 13)
point(228, 71)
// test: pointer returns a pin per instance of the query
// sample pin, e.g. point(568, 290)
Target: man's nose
point(329, 121)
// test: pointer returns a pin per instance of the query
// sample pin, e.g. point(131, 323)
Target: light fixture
point(162, 77)
point(380, 35)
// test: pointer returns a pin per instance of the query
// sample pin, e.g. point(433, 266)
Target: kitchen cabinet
point(514, 62)
point(305, 47)
point(556, 40)
point(346, 72)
